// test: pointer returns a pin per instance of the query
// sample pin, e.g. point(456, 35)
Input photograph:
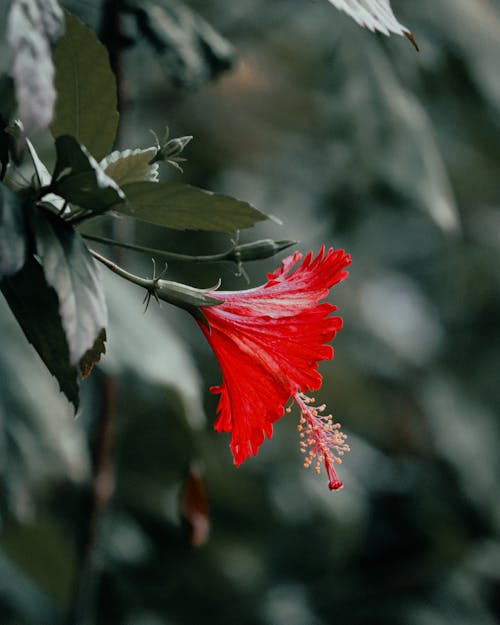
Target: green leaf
point(58, 301)
point(12, 233)
point(184, 207)
point(35, 305)
point(40, 442)
point(72, 272)
point(86, 89)
point(32, 24)
point(130, 166)
point(79, 179)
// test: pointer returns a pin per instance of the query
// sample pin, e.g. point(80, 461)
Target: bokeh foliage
point(350, 139)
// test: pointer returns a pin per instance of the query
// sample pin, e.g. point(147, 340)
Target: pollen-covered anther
point(321, 439)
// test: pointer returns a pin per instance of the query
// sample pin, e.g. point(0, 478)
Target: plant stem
point(96, 498)
point(169, 255)
point(181, 295)
point(102, 437)
point(149, 285)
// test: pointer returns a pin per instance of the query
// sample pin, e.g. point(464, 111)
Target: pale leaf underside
point(376, 15)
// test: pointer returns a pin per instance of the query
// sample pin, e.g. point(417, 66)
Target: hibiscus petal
point(268, 341)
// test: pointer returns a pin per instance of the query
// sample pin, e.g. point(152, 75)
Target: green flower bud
point(169, 151)
point(187, 297)
point(265, 248)
point(175, 146)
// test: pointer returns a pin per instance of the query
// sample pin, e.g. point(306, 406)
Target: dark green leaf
point(36, 307)
point(32, 24)
point(12, 233)
point(39, 441)
point(86, 89)
point(79, 179)
point(72, 272)
point(184, 207)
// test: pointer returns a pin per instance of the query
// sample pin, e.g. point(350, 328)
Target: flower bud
point(265, 248)
point(175, 146)
point(170, 149)
point(187, 297)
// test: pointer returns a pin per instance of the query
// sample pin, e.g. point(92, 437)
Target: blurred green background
point(353, 140)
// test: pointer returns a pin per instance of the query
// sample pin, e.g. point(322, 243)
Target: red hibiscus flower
point(268, 341)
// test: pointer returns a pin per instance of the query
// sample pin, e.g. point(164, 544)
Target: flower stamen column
point(321, 439)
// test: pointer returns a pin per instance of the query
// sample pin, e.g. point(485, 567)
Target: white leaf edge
point(117, 155)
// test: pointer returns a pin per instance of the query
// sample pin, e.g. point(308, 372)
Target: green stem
point(181, 295)
point(169, 255)
point(148, 284)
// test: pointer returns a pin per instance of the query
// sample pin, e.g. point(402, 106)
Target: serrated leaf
point(35, 305)
point(32, 24)
point(72, 272)
point(86, 88)
point(184, 207)
point(93, 355)
point(130, 166)
point(376, 15)
point(12, 233)
point(79, 179)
